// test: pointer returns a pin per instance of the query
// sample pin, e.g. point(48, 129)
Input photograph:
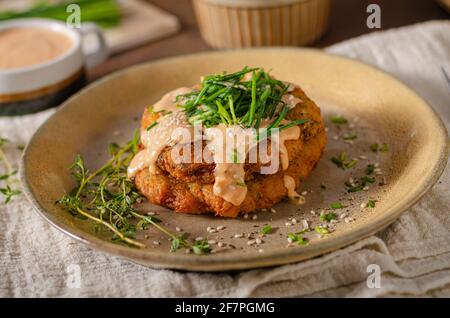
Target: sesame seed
point(151, 213)
point(245, 216)
point(254, 217)
point(213, 231)
point(212, 242)
point(251, 242)
point(289, 240)
point(238, 235)
point(209, 228)
point(304, 192)
point(305, 224)
point(366, 188)
point(156, 243)
point(273, 210)
point(313, 212)
point(200, 238)
point(177, 229)
point(220, 244)
point(343, 215)
point(146, 236)
point(363, 205)
point(258, 241)
point(362, 157)
point(288, 223)
point(260, 250)
point(220, 227)
point(294, 221)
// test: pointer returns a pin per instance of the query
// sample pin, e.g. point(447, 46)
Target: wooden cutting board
point(142, 23)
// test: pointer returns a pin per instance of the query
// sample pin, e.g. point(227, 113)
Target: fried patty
point(188, 187)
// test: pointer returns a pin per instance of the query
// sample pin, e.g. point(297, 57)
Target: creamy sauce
point(229, 147)
point(229, 172)
point(167, 102)
point(22, 47)
point(289, 183)
point(157, 138)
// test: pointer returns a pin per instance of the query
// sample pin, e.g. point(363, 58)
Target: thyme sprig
point(107, 197)
point(238, 99)
point(7, 190)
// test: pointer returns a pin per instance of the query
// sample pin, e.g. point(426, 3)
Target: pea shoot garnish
point(107, 197)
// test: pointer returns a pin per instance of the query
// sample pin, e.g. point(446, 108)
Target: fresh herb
point(370, 169)
point(107, 197)
point(7, 189)
point(8, 193)
point(241, 184)
point(235, 156)
point(336, 205)
point(350, 137)
point(360, 184)
point(371, 203)
point(343, 162)
point(106, 13)
point(298, 238)
point(151, 125)
point(384, 148)
point(321, 230)
point(338, 120)
point(201, 247)
point(267, 229)
point(328, 217)
point(239, 99)
point(374, 147)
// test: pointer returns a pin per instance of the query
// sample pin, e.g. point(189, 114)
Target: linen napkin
point(413, 253)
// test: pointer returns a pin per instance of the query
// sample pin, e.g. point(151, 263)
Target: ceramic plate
point(379, 110)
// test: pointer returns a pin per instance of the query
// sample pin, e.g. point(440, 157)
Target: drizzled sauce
point(289, 184)
point(229, 182)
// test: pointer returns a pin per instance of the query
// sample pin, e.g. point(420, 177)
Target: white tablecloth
point(413, 253)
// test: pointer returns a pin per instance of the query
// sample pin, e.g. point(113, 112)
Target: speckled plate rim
point(226, 262)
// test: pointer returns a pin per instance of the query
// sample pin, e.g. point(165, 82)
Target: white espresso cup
point(43, 85)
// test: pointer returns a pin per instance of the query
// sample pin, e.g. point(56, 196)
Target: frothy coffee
point(27, 46)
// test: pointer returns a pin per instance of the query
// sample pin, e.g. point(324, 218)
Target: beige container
point(248, 23)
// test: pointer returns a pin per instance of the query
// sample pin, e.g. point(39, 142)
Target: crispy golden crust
point(188, 188)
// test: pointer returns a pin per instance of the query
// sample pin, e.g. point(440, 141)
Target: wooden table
point(348, 19)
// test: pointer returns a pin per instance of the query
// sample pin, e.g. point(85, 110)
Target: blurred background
point(144, 30)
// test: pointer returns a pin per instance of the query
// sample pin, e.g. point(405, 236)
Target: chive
point(231, 105)
point(321, 230)
point(151, 125)
point(267, 229)
point(374, 147)
point(328, 217)
point(253, 104)
point(371, 203)
point(370, 169)
point(336, 205)
point(350, 137)
point(338, 120)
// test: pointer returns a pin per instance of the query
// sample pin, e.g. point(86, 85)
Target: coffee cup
point(42, 63)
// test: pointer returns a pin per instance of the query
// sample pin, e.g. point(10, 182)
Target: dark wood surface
point(348, 19)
